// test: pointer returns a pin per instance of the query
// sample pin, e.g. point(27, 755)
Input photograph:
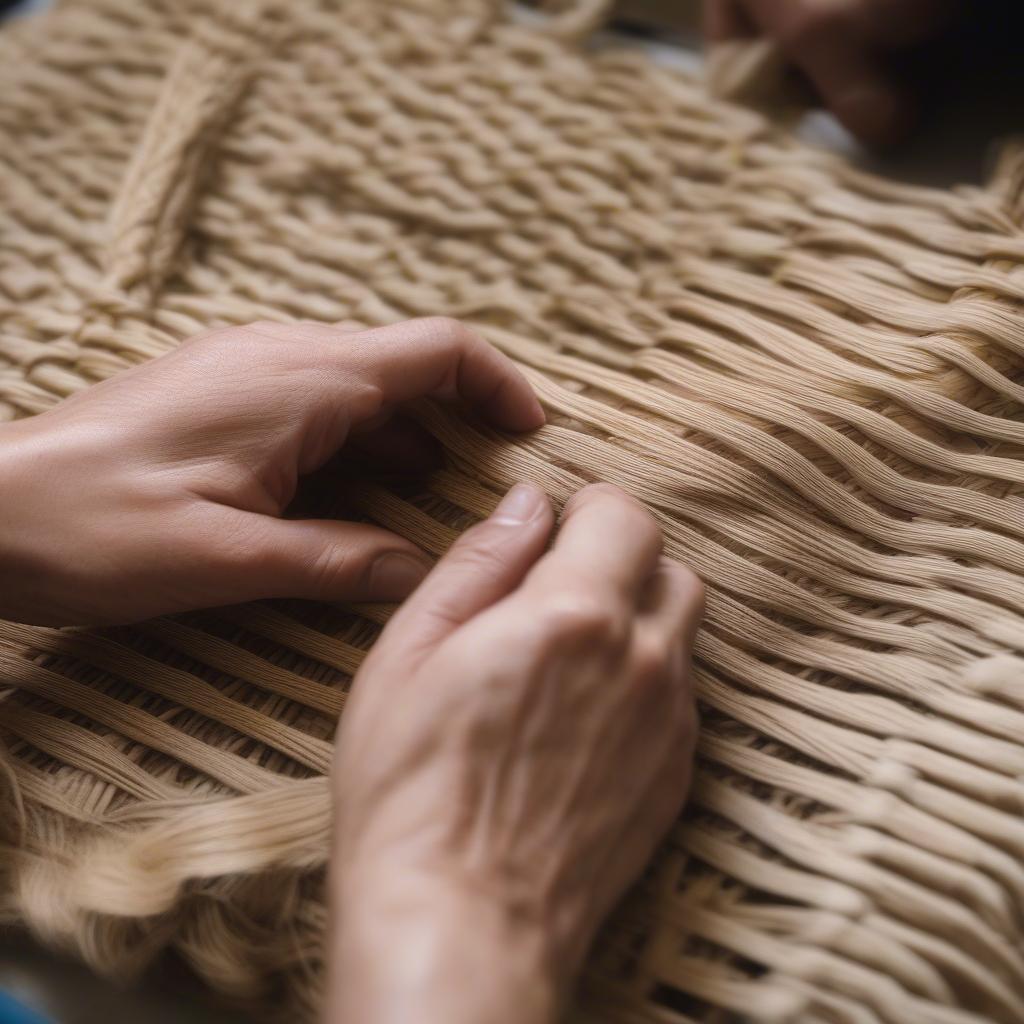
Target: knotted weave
point(812, 376)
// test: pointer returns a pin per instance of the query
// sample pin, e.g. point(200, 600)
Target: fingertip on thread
point(520, 505)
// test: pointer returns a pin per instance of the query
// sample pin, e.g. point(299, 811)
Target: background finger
point(831, 44)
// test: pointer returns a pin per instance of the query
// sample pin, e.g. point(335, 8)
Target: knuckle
point(330, 567)
point(576, 614)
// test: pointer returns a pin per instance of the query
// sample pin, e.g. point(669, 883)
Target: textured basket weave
point(813, 377)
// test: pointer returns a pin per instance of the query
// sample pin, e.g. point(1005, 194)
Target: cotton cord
point(812, 376)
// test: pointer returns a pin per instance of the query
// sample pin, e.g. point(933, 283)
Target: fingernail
point(520, 505)
point(395, 576)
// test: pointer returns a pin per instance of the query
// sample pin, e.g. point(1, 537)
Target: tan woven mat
point(812, 376)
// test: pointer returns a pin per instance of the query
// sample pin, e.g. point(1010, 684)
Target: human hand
point(162, 489)
point(848, 50)
point(515, 744)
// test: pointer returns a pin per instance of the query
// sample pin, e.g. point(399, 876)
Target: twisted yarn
point(813, 377)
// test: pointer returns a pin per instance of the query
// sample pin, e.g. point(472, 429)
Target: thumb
point(484, 565)
point(327, 560)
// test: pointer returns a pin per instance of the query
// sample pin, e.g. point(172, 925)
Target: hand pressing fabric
point(162, 489)
point(849, 51)
point(517, 741)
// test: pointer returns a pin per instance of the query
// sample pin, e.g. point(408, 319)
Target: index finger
point(442, 358)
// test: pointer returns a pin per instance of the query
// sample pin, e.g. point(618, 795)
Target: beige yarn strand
point(814, 377)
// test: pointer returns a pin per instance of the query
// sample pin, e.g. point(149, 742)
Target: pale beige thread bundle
point(814, 377)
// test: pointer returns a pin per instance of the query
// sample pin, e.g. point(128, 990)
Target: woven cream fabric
point(812, 376)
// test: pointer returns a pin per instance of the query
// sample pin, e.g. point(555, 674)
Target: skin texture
point(484, 833)
point(523, 732)
point(162, 489)
point(849, 51)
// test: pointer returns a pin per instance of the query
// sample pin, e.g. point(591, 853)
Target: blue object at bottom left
point(13, 1012)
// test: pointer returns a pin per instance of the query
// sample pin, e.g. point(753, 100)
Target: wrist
point(418, 947)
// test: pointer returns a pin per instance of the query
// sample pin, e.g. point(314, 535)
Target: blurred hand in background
point(859, 57)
